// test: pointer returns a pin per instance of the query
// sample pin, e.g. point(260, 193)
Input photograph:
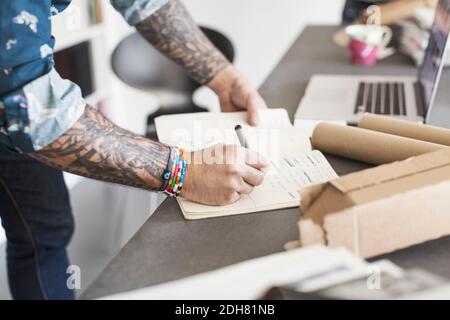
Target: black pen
point(240, 134)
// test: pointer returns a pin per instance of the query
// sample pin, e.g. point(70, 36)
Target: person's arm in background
point(173, 31)
point(397, 10)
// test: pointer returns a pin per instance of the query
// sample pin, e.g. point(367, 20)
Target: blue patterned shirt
point(36, 105)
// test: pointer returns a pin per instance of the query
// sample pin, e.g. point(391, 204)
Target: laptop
point(344, 98)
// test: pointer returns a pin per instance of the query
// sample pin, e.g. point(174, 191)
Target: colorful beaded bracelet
point(173, 178)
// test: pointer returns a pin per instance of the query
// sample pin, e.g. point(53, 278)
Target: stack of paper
point(307, 270)
point(317, 266)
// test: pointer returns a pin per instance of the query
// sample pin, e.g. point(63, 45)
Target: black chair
point(140, 65)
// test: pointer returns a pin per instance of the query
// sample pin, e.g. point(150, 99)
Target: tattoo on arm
point(173, 31)
point(96, 148)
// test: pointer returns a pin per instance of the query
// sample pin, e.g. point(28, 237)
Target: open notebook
point(293, 165)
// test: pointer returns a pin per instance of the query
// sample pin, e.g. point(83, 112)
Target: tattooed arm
point(173, 31)
point(96, 148)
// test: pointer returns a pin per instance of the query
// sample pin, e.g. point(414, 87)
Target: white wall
point(262, 30)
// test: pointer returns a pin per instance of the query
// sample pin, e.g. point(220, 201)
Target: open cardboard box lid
point(382, 209)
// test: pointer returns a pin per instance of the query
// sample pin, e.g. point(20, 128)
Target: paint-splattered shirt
point(36, 105)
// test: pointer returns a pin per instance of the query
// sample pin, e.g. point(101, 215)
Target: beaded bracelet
point(169, 169)
point(173, 178)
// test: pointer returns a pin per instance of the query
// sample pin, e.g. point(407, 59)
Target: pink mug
point(368, 43)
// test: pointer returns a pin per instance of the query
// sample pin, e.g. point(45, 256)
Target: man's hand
point(236, 94)
point(220, 174)
point(173, 31)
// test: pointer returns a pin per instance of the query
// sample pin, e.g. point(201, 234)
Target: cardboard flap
point(311, 233)
point(389, 172)
point(309, 194)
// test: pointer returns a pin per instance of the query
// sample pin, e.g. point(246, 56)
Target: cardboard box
point(382, 209)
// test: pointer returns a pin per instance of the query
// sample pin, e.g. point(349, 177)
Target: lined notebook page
point(280, 189)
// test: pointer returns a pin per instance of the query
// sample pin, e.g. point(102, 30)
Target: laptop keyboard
point(381, 98)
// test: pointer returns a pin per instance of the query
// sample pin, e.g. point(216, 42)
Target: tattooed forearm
point(96, 148)
point(172, 30)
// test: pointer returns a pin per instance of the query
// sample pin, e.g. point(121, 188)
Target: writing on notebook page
point(295, 172)
point(280, 189)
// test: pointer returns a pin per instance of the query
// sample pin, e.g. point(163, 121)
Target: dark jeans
point(36, 214)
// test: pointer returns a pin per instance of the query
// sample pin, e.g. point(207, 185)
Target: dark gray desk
point(167, 247)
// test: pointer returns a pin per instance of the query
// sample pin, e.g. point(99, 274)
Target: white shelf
point(76, 37)
point(74, 25)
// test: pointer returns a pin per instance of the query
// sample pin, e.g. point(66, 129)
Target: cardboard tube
point(405, 128)
point(367, 145)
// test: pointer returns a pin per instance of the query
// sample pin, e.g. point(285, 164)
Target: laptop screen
point(434, 54)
